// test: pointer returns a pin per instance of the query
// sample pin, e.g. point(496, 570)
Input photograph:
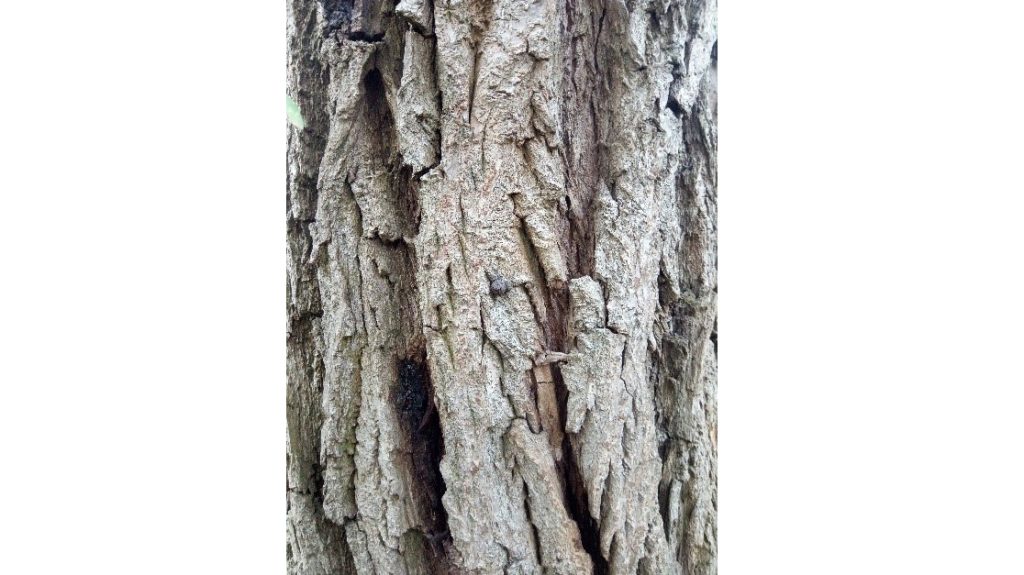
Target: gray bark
point(502, 287)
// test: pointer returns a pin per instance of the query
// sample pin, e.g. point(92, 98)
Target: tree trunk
point(502, 287)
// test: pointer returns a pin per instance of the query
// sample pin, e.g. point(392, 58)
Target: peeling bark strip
point(502, 287)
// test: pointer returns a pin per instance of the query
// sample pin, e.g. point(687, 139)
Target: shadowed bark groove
point(413, 398)
point(502, 283)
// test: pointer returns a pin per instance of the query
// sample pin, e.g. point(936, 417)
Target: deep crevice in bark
point(533, 525)
point(578, 506)
point(413, 399)
point(408, 203)
point(674, 105)
point(316, 483)
point(575, 491)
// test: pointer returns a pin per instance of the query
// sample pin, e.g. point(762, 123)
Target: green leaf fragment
point(295, 115)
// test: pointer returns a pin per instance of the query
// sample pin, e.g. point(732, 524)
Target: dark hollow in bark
point(413, 398)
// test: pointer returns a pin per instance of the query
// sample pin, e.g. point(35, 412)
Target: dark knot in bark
point(499, 285)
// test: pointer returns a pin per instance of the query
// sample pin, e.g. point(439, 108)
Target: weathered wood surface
point(502, 287)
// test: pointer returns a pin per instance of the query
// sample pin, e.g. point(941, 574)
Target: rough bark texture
point(502, 287)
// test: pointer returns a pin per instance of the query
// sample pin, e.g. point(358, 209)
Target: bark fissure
point(413, 398)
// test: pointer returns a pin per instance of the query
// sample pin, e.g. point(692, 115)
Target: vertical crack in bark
point(480, 21)
point(413, 400)
point(533, 524)
point(577, 501)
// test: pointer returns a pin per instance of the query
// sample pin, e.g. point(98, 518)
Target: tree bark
point(502, 287)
